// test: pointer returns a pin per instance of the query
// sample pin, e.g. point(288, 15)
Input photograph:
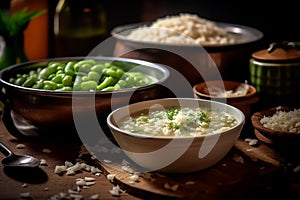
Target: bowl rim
point(255, 34)
point(196, 89)
point(157, 66)
point(270, 133)
point(152, 101)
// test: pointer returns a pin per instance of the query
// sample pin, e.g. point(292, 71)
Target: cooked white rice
point(288, 121)
point(183, 29)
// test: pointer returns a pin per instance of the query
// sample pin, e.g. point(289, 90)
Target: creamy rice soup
point(179, 121)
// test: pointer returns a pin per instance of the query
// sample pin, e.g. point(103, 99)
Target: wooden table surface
point(247, 172)
point(43, 183)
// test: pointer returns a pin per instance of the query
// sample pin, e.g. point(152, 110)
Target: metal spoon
point(13, 160)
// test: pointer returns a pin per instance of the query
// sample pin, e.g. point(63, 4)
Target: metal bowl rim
point(256, 35)
point(156, 66)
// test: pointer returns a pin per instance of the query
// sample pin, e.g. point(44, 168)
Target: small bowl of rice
point(277, 125)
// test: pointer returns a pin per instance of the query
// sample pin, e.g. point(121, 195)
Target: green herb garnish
point(172, 112)
point(203, 116)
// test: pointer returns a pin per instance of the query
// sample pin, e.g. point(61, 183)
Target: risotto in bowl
point(176, 135)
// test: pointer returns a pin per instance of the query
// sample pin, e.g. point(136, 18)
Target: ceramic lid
point(283, 51)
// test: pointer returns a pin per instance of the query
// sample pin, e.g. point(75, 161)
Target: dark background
point(278, 20)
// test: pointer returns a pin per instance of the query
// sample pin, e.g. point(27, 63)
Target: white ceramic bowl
point(175, 154)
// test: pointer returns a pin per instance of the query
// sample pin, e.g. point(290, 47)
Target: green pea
point(29, 81)
point(38, 69)
point(12, 80)
point(107, 81)
point(120, 73)
point(39, 84)
point(61, 68)
point(67, 80)
point(111, 66)
point(110, 72)
point(25, 75)
point(85, 78)
point(32, 72)
point(20, 80)
point(53, 66)
point(94, 76)
point(77, 67)
point(60, 71)
point(122, 83)
point(51, 76)
point(84, 65)
point(143, 82)
point(69, 69)
point(58, 78)
point(47, 87)
point(85, 68)
point(60, 85)
point(44, 73)
point(77, 83)
point(129, 80)
point(50, 85)
point(97, 68)
point(88, 85)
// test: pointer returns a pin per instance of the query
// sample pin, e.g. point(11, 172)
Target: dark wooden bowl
point(272, 136)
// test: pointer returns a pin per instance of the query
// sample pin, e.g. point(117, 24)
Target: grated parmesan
point(288, 121)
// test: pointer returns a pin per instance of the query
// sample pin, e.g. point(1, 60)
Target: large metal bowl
point(189, 60)
point(34, 112)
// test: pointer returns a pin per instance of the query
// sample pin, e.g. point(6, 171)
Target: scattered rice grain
point(174, 188)
point(89, 179)
point(110, 177)
point(190, 182)
point(94, 197)
point(24, 185)
point(43, 162)
point(20, 146)
point(46, 151)
point(25, 195)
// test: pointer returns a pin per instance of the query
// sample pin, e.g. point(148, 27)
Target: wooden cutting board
point(241, 173)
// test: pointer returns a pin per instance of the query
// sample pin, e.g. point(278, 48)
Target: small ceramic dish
point(208, 90)
point(273, 136)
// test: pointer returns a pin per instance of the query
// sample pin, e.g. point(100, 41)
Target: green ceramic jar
point(275, 72)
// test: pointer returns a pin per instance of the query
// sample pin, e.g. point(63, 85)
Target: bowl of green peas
point(63, 96)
